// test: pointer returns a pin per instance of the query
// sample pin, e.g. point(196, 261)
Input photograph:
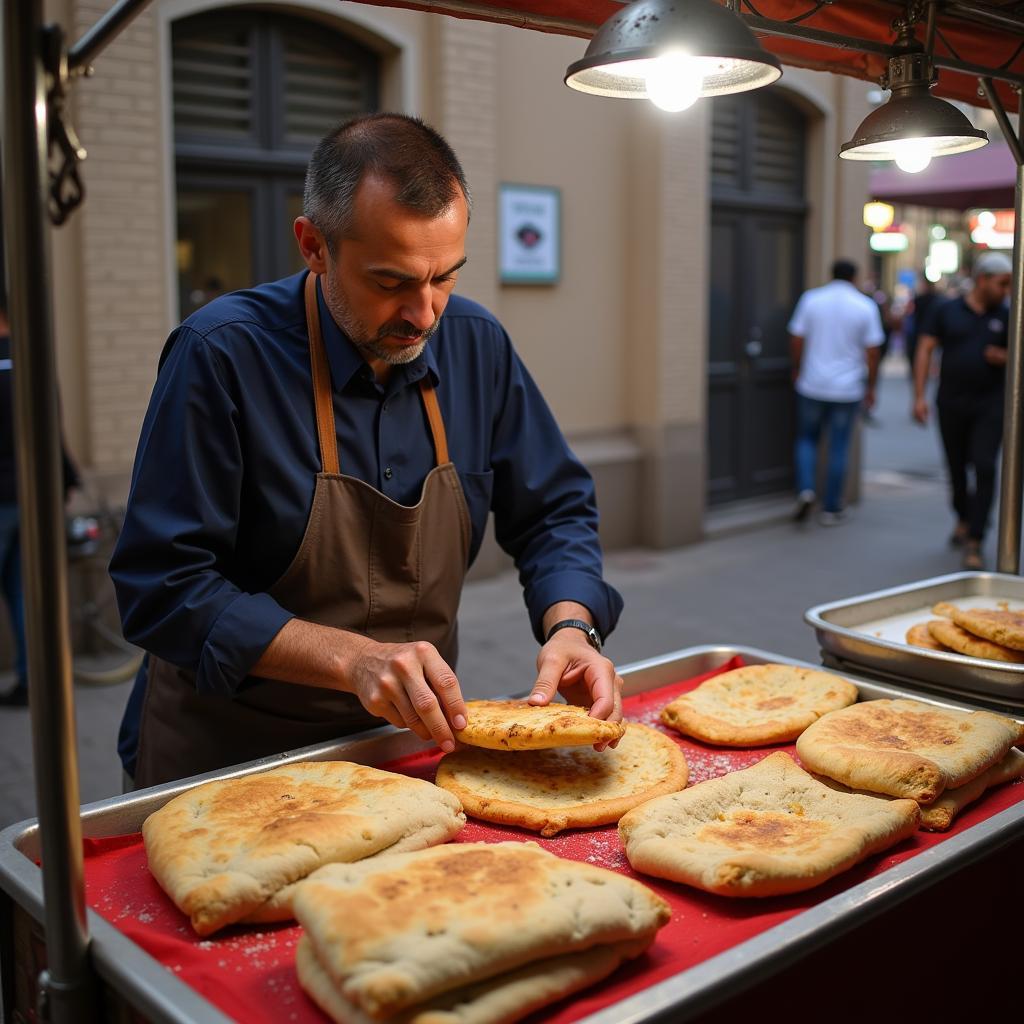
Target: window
point(253, 93)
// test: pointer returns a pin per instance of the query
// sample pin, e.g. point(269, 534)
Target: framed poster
point(529, 234)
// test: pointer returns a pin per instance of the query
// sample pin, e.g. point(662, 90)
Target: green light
point(938, 232)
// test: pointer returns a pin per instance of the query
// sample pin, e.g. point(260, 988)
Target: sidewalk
point(750, 588)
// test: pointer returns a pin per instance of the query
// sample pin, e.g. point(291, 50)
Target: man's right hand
point(921, 411)
point(410, 685)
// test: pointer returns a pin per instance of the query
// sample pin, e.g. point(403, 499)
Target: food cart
point(64, 962)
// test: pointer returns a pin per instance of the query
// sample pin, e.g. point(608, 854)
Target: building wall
point(618, 345)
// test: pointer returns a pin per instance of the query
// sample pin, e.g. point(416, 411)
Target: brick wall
point(123, 235)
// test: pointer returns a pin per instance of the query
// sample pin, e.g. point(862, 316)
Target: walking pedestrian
point(835, 338)
point(971, 330)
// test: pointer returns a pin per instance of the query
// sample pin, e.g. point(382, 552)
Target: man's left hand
point(995, 355)
point(568, 663)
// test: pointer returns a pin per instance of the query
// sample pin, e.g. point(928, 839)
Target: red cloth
point(249, 974)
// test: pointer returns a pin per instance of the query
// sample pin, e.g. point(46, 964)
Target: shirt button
point(388, 474)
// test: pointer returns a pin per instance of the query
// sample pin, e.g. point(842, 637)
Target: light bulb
point(913, 155)
point(674, 82)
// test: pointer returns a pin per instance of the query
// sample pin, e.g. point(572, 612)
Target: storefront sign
point(888, 241)
point(530, 234)
point(992, 228)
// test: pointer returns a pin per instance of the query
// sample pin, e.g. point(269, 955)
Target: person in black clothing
point(924, 301)
point(972, 332)
point(10, 552)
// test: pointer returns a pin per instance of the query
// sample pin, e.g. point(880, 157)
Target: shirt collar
point(346, 362)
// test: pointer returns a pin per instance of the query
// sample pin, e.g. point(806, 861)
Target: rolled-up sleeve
point(544, 504)
point(170, 563)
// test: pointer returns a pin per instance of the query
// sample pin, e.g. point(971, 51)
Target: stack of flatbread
point(941, 758)
point(535, 767)
point(762, 831)
point(234, 850)
point(469, 933)
point(757, 705)
point(977, 632)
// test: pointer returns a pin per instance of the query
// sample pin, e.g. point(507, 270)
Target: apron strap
point(322, 396)
point(433, 410)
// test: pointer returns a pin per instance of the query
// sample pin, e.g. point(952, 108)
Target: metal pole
point(104, 31)
point(67, 994)
point(1012, 482)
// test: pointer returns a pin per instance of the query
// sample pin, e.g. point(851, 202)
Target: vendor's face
point(391, 275)
point(993, 289)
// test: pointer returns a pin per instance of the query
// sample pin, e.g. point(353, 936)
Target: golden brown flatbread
point(958, 639)
point(231, 850)
point(939, 816)
point(519, 725)
point(762, 831)
point(906, 748)
point(757, 705)
point(920, 636)
point(1001, 627)
point(571, 787)
point(391, 934)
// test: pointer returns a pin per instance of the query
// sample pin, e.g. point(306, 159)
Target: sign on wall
point(529, 230)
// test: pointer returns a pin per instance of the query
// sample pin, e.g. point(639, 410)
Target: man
point(314, 476)
point(10, 532)
point(835, 338)
point(971, 330)
point(924, 300)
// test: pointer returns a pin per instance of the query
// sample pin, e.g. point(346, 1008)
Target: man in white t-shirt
point(835, 334)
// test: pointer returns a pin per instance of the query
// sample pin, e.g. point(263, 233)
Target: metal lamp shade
point(622, 52)
point(913, 114)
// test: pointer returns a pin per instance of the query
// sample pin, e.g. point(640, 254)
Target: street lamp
point(673, 52)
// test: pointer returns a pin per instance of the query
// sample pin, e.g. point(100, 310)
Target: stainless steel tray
point(867, 632)
point(163, 999)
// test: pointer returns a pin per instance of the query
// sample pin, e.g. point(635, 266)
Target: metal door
point(756, 275)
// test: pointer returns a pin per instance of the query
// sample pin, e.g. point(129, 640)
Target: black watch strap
point(593, 637)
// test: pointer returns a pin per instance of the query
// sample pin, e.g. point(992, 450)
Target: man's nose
point(418, 309)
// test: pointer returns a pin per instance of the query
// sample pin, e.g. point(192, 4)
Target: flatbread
point(499, 1000)
point(396, 931)
point(572, 787)
point(1001, 627)
point(757, 705)
point(958, 639)
point(906, 748)
point(939, 816)
point(519, 725)
point(920, 636)
point(231, 850)
point(762, 831)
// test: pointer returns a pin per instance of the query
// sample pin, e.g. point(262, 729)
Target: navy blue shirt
point(227, 460)
point(965, 374)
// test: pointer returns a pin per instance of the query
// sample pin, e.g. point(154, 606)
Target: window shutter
point(212, 71)
point(726, 142)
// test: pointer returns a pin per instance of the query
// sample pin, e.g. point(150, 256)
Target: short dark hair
point(844, 270)
point(399, 148)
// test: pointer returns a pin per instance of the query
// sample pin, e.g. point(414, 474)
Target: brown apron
point(392, 572)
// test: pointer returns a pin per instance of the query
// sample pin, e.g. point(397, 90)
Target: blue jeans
point(10, 579)
point(813, 416)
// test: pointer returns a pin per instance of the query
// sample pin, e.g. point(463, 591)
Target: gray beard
point(371, 345)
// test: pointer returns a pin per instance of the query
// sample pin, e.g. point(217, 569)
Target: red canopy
point(864, 19)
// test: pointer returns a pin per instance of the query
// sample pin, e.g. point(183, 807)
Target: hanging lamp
point(913, 125)
point(673, 52)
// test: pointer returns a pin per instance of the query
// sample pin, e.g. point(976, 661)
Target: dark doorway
point(253, 93)
point(757, 273)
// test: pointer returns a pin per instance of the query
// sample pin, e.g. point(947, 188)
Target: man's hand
point(411, 686)
point(995, 355)
point(869, 399)
point(921, 411)
point(568, 663)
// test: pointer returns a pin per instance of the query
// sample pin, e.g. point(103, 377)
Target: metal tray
point(163, 999)
point(867, 633)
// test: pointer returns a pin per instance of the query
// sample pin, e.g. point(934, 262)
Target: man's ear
point(312, 245)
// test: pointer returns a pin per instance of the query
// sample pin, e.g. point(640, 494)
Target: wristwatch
point(593, 637)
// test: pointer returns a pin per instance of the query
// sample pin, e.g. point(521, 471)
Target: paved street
point(749, 588)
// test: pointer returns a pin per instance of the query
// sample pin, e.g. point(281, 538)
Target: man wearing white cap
point(971, 330)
